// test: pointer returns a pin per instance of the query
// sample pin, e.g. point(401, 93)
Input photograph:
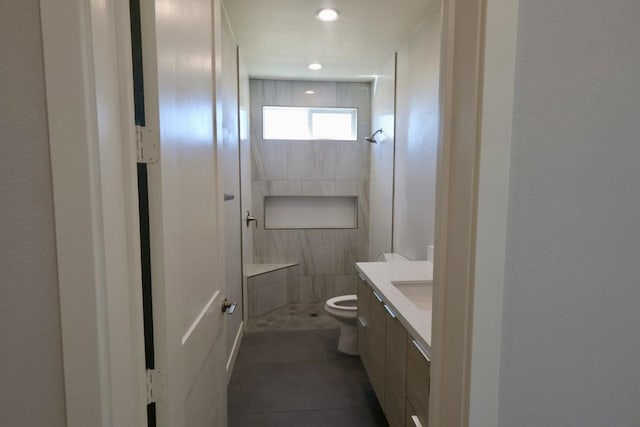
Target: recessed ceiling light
point(327, 15)
point(315, 66)
point(309, 92)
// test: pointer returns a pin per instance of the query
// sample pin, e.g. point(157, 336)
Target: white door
point(246, 203)
point(185, 213)
point(228, 152)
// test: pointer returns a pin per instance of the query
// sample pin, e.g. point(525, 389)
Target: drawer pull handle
point(363, 322)
point(391, 313)
point(422, 351)
point(362, 278)
point(416, 421)
point(375, 294)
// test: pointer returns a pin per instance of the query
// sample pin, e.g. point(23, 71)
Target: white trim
point(491, 227)
point(130, 158)
point(72, 120)
point(477, 80)
point(233, 355)
point(456, 198)
point(90, 135)
point(132, 344)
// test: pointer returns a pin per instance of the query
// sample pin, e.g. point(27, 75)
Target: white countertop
point(414, 313)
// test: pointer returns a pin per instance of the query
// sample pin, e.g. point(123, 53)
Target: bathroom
point(108, 191)
point(314, 201)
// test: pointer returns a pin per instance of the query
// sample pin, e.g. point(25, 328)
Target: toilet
point(344, 308)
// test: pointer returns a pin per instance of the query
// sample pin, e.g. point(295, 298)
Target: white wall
point(417, 140)
point(31, 350)
point(381, 172)
point(571, 335)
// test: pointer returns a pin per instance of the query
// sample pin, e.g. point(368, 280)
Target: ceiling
point(279, 38)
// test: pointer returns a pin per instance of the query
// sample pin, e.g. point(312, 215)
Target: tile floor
point(294, 317)
point(299, 379)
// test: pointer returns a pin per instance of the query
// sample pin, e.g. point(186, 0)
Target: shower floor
point(294, 317)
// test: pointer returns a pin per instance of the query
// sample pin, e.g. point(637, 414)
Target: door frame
point(478, 56)
point(476, 84)
point(100, 301)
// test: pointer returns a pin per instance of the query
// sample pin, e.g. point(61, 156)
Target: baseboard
point(231, 362)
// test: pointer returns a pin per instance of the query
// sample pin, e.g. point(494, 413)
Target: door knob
point(228, 307)
point(250, 219)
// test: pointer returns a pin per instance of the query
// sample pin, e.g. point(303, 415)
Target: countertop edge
point(404, 317)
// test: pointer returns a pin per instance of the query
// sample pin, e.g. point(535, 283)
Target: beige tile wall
point(312, 168)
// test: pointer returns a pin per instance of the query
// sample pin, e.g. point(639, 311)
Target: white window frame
point(310, 112)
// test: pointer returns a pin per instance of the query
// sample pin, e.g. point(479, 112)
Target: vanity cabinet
point(412, 419)
point(371, 337)
point(397, 366)
point(418, 378)
point(363, 323)
point(395, 370)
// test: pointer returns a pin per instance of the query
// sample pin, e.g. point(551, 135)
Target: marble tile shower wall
point(312, 168)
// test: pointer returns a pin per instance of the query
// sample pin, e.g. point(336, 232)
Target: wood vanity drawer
point(418, 371)
point(376, 343)
point(371, 337)
point(364, 312)
point(395, 372)
point(411, 419)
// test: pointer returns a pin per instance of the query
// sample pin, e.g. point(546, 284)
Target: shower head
point(372, 138)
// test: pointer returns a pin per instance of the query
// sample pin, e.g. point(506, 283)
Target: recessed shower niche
point(310, 212)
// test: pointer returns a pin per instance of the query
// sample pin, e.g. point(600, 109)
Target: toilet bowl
point(344, 308)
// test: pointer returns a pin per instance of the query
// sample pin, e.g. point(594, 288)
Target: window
point(309, 123)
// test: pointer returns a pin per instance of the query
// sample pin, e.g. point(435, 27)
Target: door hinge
point(156, 385)
point(146, 145)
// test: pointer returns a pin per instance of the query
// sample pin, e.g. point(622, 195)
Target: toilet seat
point(338, 303)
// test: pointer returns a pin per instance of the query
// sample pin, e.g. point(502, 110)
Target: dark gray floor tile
point(292, 386)
point(287, 346)
point(341, 417)
point(298, 378)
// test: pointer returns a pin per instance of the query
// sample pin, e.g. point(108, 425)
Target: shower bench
point(269, 287)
